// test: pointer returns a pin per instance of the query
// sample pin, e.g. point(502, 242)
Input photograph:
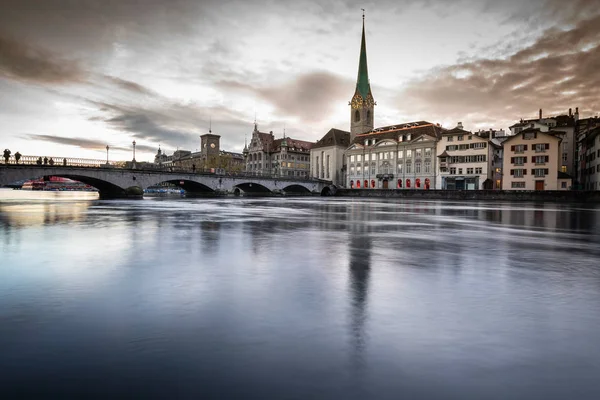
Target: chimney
point(460, 125)
point(577, 110)
point(570, 112)
point(540, 113)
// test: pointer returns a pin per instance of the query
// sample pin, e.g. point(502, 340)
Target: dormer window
point(400, 138)
point(408, 137)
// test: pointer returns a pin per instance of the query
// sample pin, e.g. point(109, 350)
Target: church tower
point(362, 104)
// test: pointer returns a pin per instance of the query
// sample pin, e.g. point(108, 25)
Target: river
point(297, 298)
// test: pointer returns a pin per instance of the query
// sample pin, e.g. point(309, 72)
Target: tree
point(17, 157)
point(7, 153)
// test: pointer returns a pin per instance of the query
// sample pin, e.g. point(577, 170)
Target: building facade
point(532, 160)
point(280, 157)
point(327, 157)
point(399, 156)
point(466, 161)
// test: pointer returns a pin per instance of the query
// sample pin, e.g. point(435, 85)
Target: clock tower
point(209, 145)
point(362, 104)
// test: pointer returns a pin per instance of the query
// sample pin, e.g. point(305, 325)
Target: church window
point(368, 115)
point(356, 116)
point(366, 184)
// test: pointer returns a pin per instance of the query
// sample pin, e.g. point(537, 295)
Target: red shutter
point(547, 158)
point(546, 171)
point(525, 147)
point(547, 146)
point(512, 160)
point(533, 172)
point(512, 172)
point(512, 148)
point(524, 171)
point(525, 159)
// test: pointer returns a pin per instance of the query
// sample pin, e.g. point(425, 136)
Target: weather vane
point(363, 10)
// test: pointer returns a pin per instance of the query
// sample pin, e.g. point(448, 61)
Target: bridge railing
point(46, 161)
point(58, 161)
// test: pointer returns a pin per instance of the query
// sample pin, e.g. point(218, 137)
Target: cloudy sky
point(78, 75)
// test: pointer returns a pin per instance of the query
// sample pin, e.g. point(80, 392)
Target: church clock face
point(370, 101)
point(357, 101)
point(212, 145)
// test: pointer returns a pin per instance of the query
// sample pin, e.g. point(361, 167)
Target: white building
point(466, 161)
point(327, 157)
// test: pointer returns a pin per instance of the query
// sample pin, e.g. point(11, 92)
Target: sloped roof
point(334, 137)
point(564, 175)
point(292, 144)
point(415, 129)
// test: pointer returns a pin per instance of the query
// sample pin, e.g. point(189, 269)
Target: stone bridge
point(114, 182)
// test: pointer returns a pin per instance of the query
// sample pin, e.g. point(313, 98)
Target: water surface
point(296, 298)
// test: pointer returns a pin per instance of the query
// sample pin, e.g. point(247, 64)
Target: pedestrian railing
point(67, 162)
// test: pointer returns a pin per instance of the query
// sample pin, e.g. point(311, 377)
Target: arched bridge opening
point(296, 190)
point(252, 189)
point(106, 190)
point(191, 187)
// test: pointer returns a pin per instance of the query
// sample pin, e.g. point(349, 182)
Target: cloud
point(560, 70)
point(86, 144)
point(27, 63)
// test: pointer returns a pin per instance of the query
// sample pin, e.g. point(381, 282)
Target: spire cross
point(363, 10)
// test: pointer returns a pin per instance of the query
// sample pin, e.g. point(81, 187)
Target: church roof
point(415, 129)
point(334, 137)
point(362, 82)
point(292, 144)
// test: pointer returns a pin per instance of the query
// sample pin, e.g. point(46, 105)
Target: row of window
point(538, 147)
point(520, 172)
point(590, 171)
point(388, 169)
point(454, 147)
point(523, 160)
point(459, 138)
point(464, 159)
point(470, 171)
point(425, 184)
point(389, 155)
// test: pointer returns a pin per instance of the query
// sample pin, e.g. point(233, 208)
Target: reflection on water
point(297, 298)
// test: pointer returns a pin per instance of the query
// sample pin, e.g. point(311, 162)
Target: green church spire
point(362, 82)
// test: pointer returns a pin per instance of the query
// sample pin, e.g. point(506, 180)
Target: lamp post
point(107, 154)
point(134, 151)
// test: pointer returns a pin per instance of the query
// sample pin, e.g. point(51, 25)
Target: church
point(396, 156)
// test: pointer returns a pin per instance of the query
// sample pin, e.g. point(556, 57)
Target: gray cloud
point(560, 70)
point(82, 143)
point(20, 61)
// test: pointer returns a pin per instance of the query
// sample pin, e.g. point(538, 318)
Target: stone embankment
point(562, 196)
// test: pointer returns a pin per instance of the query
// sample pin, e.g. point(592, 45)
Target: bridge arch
point(253, 188)
point(189, 186)
point(296, 189)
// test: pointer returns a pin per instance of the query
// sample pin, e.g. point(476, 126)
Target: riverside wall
point(561, 196)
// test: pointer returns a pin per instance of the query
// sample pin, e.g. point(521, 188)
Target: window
point(452, 147)
point(564, 168)
point(478, 145)
point(460, 171)
point(399, 168)
point(428, 152)
point(541, 159)
point(351, 170)
point(373, 168)
point(469, 171)
point(409, 154)
point(418, 153)
point(368, 115)
point(541, 147)
point(356, 116)
point(479, 171)
point(565, 157)
point(517, 173)
point(352, 158)
point(470, 137)
point(450, 138)
point(452, 171)
point(358, 170)
point(463, 147)
point(427, 167)
point(518, 160)
point(519, 148)
point(408, 168)
point(460, 138)
point(400, 154)
point(563, 185)
point(517, 185)
point(417, 168)
point(400, 138)
point(359, 158)
point(539, 172)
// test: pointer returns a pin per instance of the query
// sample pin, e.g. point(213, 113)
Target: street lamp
point(107, 154)
point(134, 151)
